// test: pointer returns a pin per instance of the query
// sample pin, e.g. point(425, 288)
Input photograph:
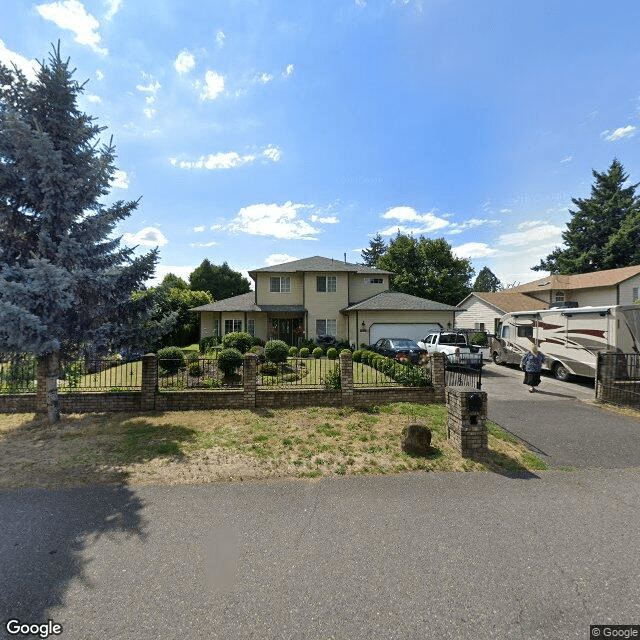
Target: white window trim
point(251, 326)
point(373, 281)
point(281, 281)
point(236, 325)
point(334, 279)
point(326, 323)
point(559, 297)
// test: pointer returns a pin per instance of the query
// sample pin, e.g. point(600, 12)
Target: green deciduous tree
point(487, 281)
point(427, 268)
point(219, 280)
point(65, 281)
point(604, 230)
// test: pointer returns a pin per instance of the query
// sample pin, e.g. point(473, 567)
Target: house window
point(232, 325)
point(559, 296)
point(636, 293)
point(373, 280)
point(326, 327)
point(326, 284)
point(479, 326)
point(216, 327)
point(280, 284)
point(251, 326)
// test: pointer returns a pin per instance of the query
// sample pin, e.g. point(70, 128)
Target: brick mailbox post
point(466, 421)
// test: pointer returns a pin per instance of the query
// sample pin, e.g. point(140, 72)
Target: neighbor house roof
point(247, 302)
point(607, 278)
point(318, 263)
point(507, 301)
point(396, 301)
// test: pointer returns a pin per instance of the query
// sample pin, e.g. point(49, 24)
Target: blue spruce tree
point(65, 281)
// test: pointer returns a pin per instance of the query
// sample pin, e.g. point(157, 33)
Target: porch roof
point(247, 302)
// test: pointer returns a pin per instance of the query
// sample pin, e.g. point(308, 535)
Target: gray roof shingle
point(246, 302)
point(318, 263)
point(396, 301)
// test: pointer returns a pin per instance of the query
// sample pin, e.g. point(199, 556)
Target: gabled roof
point(507, 301)
point(607, 278)
point(247, 302)
point(318, 263)
point(396, 301)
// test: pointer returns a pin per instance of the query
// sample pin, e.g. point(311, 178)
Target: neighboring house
point(482, 310)
point(320, 296)
point(613, 286)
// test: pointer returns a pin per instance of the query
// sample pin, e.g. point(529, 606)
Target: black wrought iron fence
point(460, 372)
point(374, 370)
point(619, 378)
point(100, 374)
point(200, 373)
point(307, 373)
point(18, 374)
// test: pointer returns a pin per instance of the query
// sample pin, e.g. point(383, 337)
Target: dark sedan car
point(400, 349)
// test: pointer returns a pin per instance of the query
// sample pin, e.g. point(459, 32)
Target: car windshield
point(453, 338)
point(404, 344)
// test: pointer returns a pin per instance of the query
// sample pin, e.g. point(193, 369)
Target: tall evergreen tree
point(427, 268)
point(221, 281)
point(603, 232)
point(487, 281)
point(65, 282)
point(377, 248)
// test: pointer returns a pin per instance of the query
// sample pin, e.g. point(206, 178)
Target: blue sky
point(259, 131)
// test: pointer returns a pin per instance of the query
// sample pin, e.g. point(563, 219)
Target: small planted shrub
point(332, 379)
point(318, 353)
point(332, 353)
point(195, 369)
point(239, 340)
point(357, 355)
point(276, 351)
point(304, 352)
point(479, 339)
point(268, 369)
point(293, 352)
point(207, 343)
point(193, 357)
point(345, 351)
point(171, 359)
point(229, 360)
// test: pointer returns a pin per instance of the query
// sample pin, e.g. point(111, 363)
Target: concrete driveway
point(560, 423)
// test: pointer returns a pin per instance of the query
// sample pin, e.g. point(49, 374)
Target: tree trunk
point(52, 401)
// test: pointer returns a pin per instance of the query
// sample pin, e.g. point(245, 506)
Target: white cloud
point(228, 160)
point(278, 258)
point(198, 229)
point(147, 237)
point(185, 62)
point(9, 58)
point(566, 159)
point(162, 270)
point(288, 72)
point(326, 220)
point(220, 38)
point(152, 87)
point(265, 78)
point(72, 15)
point(120, 179)
point(93, 99)
point(361, 3)
point(113, 8)
point(533, 233)
point(474, 250)
point(99, 75)
point(213, 86)
point(425, 223)
point(149, 113)
point(203, 244)
point(272, 153)
point(150, 99)
point(216, 227)
point(278, 221)
point(623, 132)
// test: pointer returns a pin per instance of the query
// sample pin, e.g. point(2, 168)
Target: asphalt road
point(560, 423)
point(409, 556)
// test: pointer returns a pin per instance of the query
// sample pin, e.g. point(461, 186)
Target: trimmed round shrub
point(276, 351)
point(239, 340)
point(332, 353)
point(171, 359)
point(345, 351)
point(317, 353)
point(268, 369)
point(195, 369)
point(357, 355)
point(293, 352)
point(229, 360)
point(207, 343)
point(304, 352)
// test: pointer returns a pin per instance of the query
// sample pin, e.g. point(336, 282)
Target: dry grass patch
point(206, 446)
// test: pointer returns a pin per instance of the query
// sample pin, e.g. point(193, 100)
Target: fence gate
point(619, 378)
point(460, 373)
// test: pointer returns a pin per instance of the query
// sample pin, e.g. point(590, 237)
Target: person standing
point(531, 364)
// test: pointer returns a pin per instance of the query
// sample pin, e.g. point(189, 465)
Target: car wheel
point(495, 358)
point(561, 372)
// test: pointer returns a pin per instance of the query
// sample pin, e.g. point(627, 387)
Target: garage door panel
point(412, 330)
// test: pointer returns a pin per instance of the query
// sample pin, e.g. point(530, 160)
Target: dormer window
point(326, 284)
point(280, 284)
point(373, 281)
point(559, 296)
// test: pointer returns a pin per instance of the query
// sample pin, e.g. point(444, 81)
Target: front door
point(286, 329)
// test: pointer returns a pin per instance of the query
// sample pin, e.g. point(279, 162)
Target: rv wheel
point(561, 372)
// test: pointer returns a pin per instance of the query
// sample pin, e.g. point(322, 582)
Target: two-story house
point(321, 296)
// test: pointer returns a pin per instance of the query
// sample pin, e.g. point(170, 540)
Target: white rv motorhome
point(570, 338)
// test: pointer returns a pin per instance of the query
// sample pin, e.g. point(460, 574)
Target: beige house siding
point(326, 305)
point(476, 311)
point(207, 323)
point(626, 290)
point(360, 289)
point(296, 297)
point(357, 336)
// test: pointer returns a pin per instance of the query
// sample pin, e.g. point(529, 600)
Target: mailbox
point(474, 402)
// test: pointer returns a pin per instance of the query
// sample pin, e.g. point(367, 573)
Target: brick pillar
point(346, 378)
point(41, 392)
point(149, 382)
point(466, 427)
point(250, 379)
point(438, 362)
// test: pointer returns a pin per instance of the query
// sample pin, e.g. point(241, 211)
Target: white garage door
point(413, 331)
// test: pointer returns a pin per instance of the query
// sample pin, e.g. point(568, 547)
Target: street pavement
point(411, 556)
point(560, 422)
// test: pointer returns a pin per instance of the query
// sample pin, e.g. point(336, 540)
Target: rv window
point(525, 332)
point(505, 332)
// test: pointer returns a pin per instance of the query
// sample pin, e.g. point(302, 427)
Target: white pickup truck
point(454, 346)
